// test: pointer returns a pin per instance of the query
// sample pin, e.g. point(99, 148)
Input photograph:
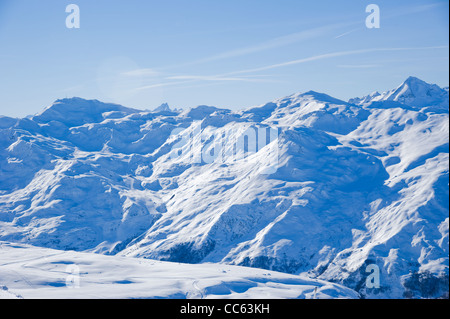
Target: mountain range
point(307, 185)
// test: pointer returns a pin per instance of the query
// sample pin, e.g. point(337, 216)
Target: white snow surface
point(355, 183)
point(40, 273)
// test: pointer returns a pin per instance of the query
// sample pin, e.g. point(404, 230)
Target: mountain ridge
point(413, 92)
point(353, 184)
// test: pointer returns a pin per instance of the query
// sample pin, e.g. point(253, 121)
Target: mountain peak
point(418, 93)
point(414, 80)
point(415, 86)
point(77, 111)
point(322, 97)
point(202, 111)
point(163, 108)
point(413, 92)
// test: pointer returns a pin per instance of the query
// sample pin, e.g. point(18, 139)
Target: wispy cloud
point(418, 9)
point(159, 85)
point(402, 11)
point(243, 75)
point(177, 80)
point(270, 44)
point(215, 78)
point(346, 33)
point(358, 66)
point(329, 56)
point(142, 73)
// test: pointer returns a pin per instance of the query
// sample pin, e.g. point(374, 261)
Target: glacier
point(355, 183)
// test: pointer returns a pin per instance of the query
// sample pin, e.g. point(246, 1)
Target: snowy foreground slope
point(307, 184)
point(30, 272)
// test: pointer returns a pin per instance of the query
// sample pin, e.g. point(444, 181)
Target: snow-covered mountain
point(413, 93)
point(307, 184)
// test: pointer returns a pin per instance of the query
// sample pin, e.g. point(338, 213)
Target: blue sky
point(230, 54)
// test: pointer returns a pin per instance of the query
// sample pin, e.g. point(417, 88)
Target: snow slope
point(307, 184)
point(30, 272)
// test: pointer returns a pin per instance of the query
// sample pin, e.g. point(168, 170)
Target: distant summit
point(413, 92)
point(77, 111)
point(163, 108)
